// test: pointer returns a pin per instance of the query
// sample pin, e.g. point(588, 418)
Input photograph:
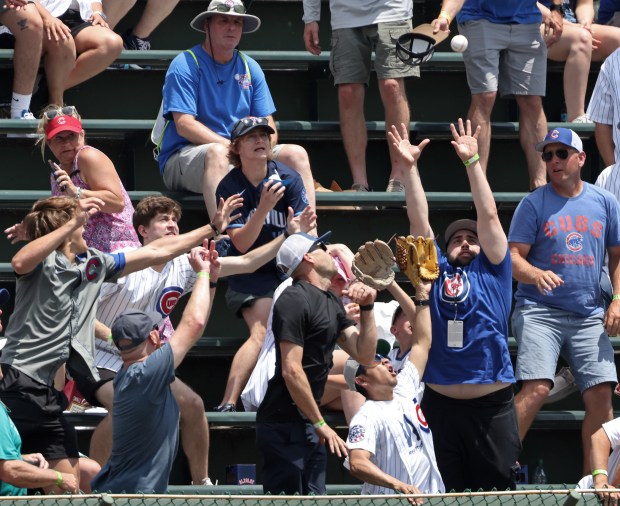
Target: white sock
point(19, 103)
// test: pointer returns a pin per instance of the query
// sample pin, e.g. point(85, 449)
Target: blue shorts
point(544, 334)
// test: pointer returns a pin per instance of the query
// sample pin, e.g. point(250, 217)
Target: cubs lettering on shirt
point(568, 236)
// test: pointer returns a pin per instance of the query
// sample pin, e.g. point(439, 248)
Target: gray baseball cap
point(133, 326)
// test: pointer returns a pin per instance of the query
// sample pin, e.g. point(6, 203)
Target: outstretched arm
point(490, 232)
point(407, 167)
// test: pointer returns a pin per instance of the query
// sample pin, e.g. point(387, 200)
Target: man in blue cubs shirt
point(270, 190)
point(558, 239)
point(207, 89)
point(469, 373)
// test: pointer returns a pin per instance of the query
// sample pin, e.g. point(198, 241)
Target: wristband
point(615, 296)
point(367, 307)
point(58, 479)
point(473, 159)
point(444, 14)
point(203, 274)
point(425, 302)
point(110, 339)
point(212, 284)
point(599, 471)
point(319, 424)
point(216, 232)
point(78, 193)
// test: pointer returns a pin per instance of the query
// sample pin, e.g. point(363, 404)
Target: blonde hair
point(42, 138)
point(48, 215)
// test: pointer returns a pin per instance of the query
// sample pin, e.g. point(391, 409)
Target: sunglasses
point(316, 246)
point(239, 9)
point(67, 110)
point(562, 154)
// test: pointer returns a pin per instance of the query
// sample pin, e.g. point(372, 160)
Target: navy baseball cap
point(246, 125)
point(133, 326)
point(564, 136)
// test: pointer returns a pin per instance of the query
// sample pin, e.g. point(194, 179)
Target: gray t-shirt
point(55, 313)
point(145, 434)
point(358, 13)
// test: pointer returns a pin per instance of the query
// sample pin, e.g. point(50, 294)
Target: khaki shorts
point(185, 169)
point(351, 51)
point(511, 59)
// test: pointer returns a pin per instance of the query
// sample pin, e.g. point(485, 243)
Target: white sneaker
point(206, 482)
point(564, 384)
point(582, 119)
point(26, 115)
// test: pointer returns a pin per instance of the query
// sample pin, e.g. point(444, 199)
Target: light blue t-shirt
point(10, 449)
point(193, 89)
point(501, 11)
point(479, 295)
point(568, 236)
point(145, 434)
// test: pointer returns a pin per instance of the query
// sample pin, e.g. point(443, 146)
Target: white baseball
point(459, 43)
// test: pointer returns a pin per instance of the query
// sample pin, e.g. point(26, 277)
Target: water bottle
point(540, 477)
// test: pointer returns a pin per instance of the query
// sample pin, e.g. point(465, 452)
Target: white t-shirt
point(612, 429)
point(398, 437)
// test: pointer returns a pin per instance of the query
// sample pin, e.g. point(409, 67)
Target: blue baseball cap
point(563, 136)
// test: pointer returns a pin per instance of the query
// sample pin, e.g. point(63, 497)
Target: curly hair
point(48, 215)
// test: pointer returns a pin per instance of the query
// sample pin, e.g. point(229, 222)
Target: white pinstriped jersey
point(609, 179)
point(604, 108)
point(398, 361)
point(145, 290)
point(398, 437)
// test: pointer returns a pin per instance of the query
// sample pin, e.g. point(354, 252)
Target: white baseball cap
point(293, 249)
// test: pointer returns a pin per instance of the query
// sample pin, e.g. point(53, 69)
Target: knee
point(295, 157)
point(63, 50)
point(216, 159)
point(392, 90)
point(32, 29)
point(483, 103)
point(350, 95)
point(530, 105)
point(113, 43)
point(191, 406)
point(582, 43)
point(536, 391)
point(597, 397)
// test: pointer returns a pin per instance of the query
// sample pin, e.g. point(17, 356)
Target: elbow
point(116, 205)
point(18, 266)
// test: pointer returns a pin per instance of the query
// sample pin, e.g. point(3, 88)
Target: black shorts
point(480, 449)
point(74, 21)
point(36, 410)
point(86, 383)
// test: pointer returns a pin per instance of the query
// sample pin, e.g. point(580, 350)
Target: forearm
point(366, 471)
point(614, 271)
point(253, 259)
point(599, 456)
point(366, 343)
point(452, 7)
point(404, 301)
point(584, 12)
point(43, 12)
point(481, 193)
point(197, 133)
point(34, 252)
point(301, 393)
point(523, 271)
point(24, 475)
point(417, 206)
point(605, 143)
point(244, 237)
point(112, 203)
point(102, 331)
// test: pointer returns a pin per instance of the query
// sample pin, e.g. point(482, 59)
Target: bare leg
point(216, 167)
point(69, 466)
point(396, 108)
point(59, 62)
point(101, 440)
point(88, 470)
point(27, 27)
point(353, 128)
point(480, 115)
point(116, 10)
point(97, 48)
point(529, 401)
point(154, 13)
point(597, 400)
point(245, 359)
point(194, 430)
point(574, 48)
point(296, 158)
point(532, 129)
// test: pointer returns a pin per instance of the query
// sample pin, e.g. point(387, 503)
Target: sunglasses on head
point(253, 121)
point(239, 9)
point(562, 154)
point(67, 110)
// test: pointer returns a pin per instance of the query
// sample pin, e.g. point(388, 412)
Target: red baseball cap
point(62, 123)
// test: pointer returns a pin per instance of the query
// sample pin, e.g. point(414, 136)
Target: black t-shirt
point(313, 319)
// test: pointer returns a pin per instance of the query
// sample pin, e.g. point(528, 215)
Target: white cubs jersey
point(145, 290)
point(399, 360)
point(398, 437)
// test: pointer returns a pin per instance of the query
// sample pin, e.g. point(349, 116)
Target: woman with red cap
point(83, 171)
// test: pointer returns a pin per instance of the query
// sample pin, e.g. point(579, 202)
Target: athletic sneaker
point(563, 385)
point(582, 119)
point(395, 186)
point(26, 115)
point(133, 43)
point(207, 482)
point(225, 408)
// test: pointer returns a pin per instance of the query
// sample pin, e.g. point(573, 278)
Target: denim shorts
point(509, 58)
point(351, 52)
point(544, 334)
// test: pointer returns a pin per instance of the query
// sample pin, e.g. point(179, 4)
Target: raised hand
point(408, 153)
point(272, 192)
point(225, 208)
point(465, 144)
point(17, 233)
point(86, 208)
point(303, 222)
point(214, 260)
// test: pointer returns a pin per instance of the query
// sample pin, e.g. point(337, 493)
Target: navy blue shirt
point(267, 277)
